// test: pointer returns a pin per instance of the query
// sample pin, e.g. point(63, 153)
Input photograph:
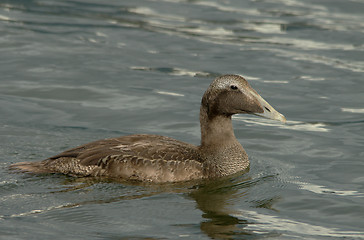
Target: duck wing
point(144, 146)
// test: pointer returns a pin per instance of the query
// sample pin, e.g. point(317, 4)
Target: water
point(82, 70)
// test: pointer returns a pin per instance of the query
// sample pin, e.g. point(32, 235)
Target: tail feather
point(32, 167)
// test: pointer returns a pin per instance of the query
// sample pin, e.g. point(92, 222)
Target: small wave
point(35, 211)
point(263, 223)
point(170, 93)
point(353, 110)
point(292, 125)
point(174, 71)
point(325, 190)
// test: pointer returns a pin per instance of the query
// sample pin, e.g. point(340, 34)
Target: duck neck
point(216, 131)
point(220, 150)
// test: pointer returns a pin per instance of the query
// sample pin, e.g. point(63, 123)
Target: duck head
point(232, 94)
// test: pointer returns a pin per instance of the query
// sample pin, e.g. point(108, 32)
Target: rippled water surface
point(76, 71)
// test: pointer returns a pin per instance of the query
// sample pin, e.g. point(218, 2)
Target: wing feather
point(142, 146)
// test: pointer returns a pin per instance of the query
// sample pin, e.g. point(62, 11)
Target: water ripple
point(262, 223)
point(291, 125)
point(325, 190)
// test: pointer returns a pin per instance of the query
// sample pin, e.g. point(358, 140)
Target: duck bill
point(268, 110)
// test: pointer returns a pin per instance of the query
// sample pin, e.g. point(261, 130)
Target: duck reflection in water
point(217, 200)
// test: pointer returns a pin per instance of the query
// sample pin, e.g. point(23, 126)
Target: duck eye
point(233, 87)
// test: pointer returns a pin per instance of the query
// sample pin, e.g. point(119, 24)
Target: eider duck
point(155, 158)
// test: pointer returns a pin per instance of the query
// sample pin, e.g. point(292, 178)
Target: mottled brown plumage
point(162, 159)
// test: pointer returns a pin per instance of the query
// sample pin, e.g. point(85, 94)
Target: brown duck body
point(162, 159)
point(141, 157)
